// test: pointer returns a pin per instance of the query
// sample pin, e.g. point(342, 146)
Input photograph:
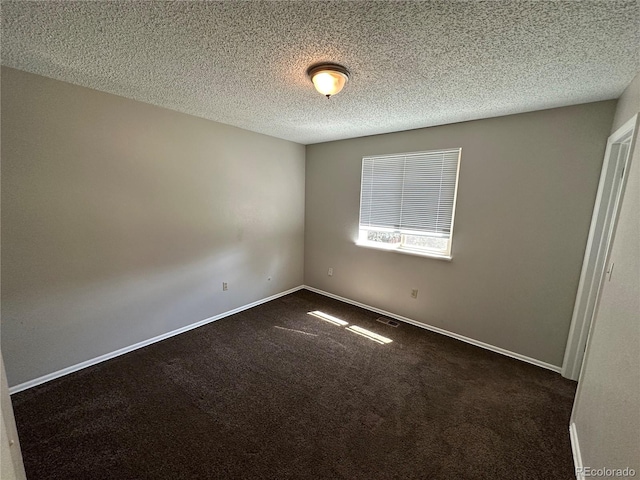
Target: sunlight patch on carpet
point(328, 318)
point(369, 334)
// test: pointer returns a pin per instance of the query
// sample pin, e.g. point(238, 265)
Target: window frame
point(400, 247)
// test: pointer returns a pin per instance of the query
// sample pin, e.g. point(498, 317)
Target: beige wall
point(606, 412)
point(526, 192)
point(121, 220)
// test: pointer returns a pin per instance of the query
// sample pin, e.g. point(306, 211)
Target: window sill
point(406, 251)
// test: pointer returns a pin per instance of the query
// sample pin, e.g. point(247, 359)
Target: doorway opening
point(605, 213)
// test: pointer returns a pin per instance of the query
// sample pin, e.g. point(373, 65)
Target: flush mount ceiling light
point(328, 78)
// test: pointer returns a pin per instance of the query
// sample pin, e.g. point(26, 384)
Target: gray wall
point(628, 104)
point(526, 192)
point(121, 220)
point(11, 465)
point(606, 412)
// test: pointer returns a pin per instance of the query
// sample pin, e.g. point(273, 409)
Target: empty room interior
point(324, 239)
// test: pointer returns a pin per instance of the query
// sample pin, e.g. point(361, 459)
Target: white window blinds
point(410, 193)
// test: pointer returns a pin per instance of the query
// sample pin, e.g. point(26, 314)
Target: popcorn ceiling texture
point(413, 64)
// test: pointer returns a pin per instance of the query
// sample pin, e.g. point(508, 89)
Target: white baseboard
point(74, 368)
point(144, 343)
point(477, 343)
point(575, 449)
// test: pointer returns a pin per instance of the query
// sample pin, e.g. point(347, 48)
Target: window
point(407, 202)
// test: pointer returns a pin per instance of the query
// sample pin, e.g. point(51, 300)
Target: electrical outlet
point(414, 293)
point(225, 287)
point(330, 272)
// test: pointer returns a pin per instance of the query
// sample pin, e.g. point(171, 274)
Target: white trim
point(404, 251)
point(144, 343)
point(575, 449)
point(603, 222)
point(441, 331)
point(453, 211)
point(446, 255)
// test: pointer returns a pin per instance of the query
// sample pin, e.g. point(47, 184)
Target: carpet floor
point(276, 393)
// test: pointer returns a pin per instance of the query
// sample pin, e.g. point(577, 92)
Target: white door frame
point(605, 214)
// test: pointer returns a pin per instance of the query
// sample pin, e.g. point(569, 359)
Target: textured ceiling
point(413, 64)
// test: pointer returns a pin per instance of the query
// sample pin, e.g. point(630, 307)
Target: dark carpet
point(276, 393)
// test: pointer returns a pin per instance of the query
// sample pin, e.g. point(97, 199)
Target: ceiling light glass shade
point(328, 79)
